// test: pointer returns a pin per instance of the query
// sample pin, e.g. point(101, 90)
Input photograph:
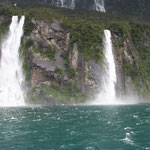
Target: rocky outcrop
point(130, 79)
point(58, 68)
point(55, 62)
point(73, 57)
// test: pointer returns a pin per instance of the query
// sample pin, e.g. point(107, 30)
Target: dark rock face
point(87, 75)
point(129, 80)
point(51, 60)
point(49, 70)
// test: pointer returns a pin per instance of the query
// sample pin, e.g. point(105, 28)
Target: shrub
point(59, 71)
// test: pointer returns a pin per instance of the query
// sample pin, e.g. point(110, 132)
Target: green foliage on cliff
point(49, 52)
point(4, 28)
point(46, 14)
point(26, 69)
point(130, 69)
point(28, 26)
point(59, 71)
point(28, 43)
point(139, 70)
point(23, 52)
point(60, 94)
point(86, 30)
point(9, 11)
point(70, 71)
point(119, 28)
point(87, 35)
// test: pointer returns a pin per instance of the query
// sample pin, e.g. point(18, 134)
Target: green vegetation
point(86, 30)
point(130, 69)
point(59, 71)
point(4, 28)
point(70, 71)
point(28, 43)
point(88, 36)
point(64, 94)
point(26, 69)
point(23, 52)
point(9, 11)
point(139, 71)
point(28, 26)
point(48, 53)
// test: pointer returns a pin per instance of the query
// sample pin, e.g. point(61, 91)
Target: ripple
point(79, 128)
point(128, 139)
point(89, 148)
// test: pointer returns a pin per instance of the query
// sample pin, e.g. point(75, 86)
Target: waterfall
point(99, 4)
point(11, 76)
point(107, 94)
point(60, 3)
point(72, 4)
point(65, 3)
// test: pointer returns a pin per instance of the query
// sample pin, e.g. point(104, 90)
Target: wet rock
point(73, 57)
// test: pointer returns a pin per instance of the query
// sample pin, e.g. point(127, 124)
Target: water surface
point(75, 128)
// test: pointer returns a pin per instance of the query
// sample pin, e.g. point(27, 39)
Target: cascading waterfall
point(99, 4)
point(108, 94)
point(72, 4)
point(60, 3)
point(11, 75)
point(65, 3)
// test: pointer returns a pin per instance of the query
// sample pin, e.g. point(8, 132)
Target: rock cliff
point(63, 55)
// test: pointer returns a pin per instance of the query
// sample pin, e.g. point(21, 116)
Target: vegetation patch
point(68, 93)
point(88, 36)
point(28, 26)
point(70, 71)
point(4, 28)
point(59, 71)
point(48, 53)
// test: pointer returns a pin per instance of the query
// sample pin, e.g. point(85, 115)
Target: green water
point(75, 128)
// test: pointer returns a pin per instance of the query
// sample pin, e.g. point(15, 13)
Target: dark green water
point(75, 128)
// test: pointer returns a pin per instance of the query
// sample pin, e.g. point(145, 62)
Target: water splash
point(99, 4)
point(11, 76)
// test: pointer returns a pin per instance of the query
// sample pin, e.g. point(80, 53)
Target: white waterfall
point(107, 94)
point(72, 4)
point(99, 4)
point(60, 3)
point(11, 76)
point(65, 3)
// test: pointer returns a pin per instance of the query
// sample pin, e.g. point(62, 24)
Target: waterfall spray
point(11, 76)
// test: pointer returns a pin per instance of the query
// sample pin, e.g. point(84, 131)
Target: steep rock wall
point(51, 64)
point(63, 57)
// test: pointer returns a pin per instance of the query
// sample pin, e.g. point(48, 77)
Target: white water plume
point(11, 76)
point(108, 94)
point(99, 4)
